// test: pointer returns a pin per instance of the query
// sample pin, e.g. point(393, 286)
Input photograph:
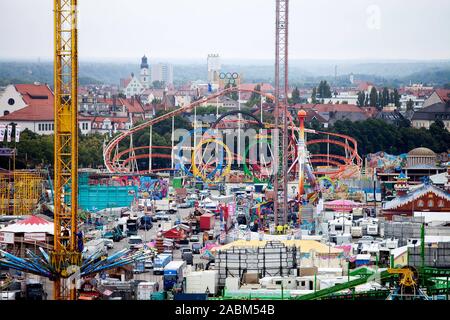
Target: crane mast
point(281, 104)
point(65, 255)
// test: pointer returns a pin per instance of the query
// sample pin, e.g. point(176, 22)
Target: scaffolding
point(20, 192)
point(27, 191)
point(5, 194)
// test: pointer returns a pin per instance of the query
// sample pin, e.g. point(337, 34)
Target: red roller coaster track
point(115, 165)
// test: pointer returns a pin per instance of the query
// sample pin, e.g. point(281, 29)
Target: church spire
point(144, 63)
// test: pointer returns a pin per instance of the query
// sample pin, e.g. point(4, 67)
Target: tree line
point(378, 99)
point(372, 135)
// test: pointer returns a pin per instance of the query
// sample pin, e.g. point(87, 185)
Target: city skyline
point(180, 30)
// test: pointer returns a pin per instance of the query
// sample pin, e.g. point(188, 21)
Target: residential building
point(424, 117)
point(334, 112)
point(438, 96)
point(390, 116)
point(132, 86)
point(29, 106)
point(162, 72)
point(214, 66)
point(418, 101)
point(104, 125)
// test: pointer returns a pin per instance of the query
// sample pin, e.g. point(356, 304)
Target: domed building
point(420, 156)
point(422, 163)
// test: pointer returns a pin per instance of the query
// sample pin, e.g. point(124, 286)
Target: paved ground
point(147, 236)
point(150, 235)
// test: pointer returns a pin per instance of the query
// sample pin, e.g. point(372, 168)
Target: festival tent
point(29, 233)
point(301, 245)
point(32, 224)
point(174, 233)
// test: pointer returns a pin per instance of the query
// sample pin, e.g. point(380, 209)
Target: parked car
point(184, 205)
point(149, 264)
point(196, 247)
point(194, 238)
point(243, 227)
point(162, 217)
point(109, 243)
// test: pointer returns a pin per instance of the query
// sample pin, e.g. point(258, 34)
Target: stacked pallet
point(435, 256)
point(159, 244)
point(402, 231)
point(274, 259)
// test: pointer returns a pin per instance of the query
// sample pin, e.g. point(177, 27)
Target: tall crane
point(281, 104)
point(65, 255)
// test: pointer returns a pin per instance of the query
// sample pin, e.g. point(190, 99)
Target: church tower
point(145, 74)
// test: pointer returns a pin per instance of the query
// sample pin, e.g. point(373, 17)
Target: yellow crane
point(65, 255)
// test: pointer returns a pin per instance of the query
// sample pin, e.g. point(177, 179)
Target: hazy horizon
point(179, 30)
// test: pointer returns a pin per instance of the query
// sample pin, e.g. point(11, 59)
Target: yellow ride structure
point(408, 279)
point(65, 255)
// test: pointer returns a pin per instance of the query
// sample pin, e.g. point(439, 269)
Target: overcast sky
point(236, 29)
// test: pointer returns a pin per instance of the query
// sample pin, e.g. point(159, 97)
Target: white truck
point(93, 246)
point(165, 205)
point(372, 229)
point(356, 231)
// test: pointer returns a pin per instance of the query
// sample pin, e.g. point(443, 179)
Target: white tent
point(33, 224)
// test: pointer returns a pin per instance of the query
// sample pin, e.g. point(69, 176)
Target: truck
point(146, 289)
point(356, 231)
point(135, 242)
point(114, 234)
point(173, 274)
point(186, 255)
point(165, 205)
point(372, 229)
point(132, 226)
point(161, 260)
point(93, 246)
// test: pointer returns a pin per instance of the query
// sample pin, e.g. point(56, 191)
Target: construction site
point(247, 208)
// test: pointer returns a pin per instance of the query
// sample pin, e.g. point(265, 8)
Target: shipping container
point(207, 222)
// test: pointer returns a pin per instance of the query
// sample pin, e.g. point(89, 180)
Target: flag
point(2, 132)
point(18, 129)
point(9, 129)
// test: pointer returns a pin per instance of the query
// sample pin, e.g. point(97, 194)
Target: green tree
point(373, 97)
point(233, 95)
point(314, 95)
point(324, 90)
point(255, 98)
point(385, 97)
point(296, 96)
point(410, 105)
point(158, 84)
point(396, 99)
point(361, 99)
